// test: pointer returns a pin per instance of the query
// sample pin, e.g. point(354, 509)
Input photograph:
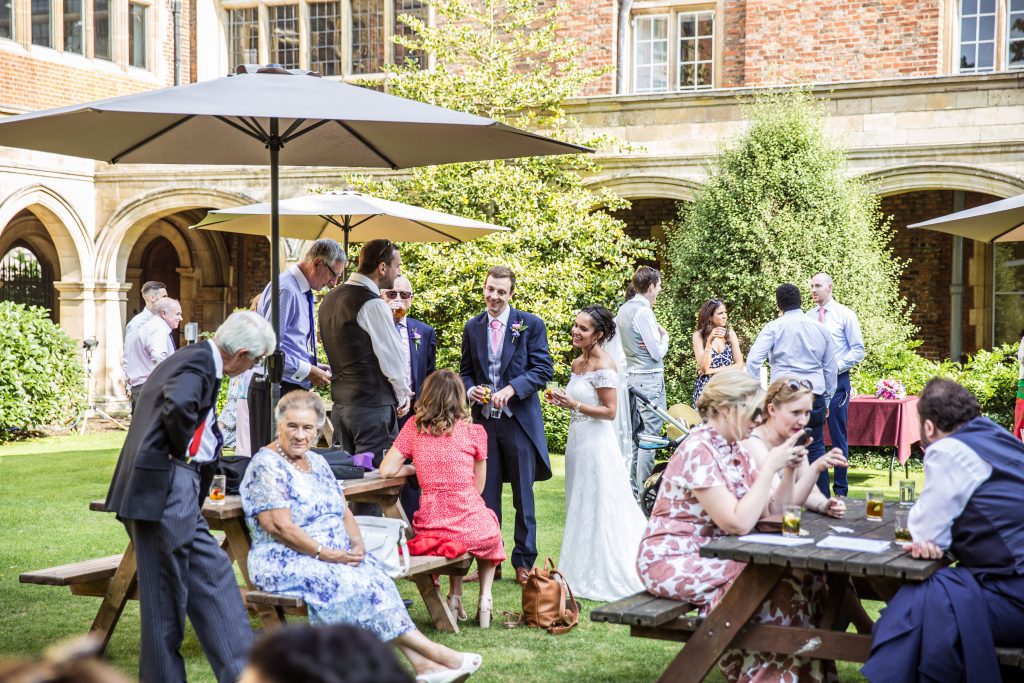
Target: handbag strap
point(570, 615)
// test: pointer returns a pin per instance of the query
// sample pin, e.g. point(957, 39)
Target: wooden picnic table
point(729, 625)
point(118, 589)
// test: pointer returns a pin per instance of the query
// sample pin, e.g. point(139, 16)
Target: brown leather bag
point(548, 601)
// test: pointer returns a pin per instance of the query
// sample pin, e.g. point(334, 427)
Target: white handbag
point(383, 537)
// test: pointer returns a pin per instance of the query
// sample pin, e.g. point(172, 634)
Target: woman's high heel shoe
point(483, 613)
point(455, 605)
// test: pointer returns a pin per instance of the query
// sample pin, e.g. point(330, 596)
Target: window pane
point(1016, 56)
point(986, 56)
point(1017, 5)
point(987, 28)
point(367, 36)
point(325, 38)
point(696, 54)
point(137, 35)
point(687, 51)
point(705, 26)
point(650, 53)
point(968, 29)
point(73, 27)
point(705, 73)
point(687, 26)
point(1017, 25)
point(284, 35)
point(6, 18)
point(967, 58)
point(243, 37)
point(1009, 292)
point(100, 29)
point(705, 48)
point(413, 8)
point(41, 30)
point(968, 7)
point(987, 6)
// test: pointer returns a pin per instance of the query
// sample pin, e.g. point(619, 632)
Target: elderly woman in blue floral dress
point(306, 543)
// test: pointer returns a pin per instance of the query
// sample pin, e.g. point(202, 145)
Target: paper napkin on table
point(775, 539)
point(861, 545)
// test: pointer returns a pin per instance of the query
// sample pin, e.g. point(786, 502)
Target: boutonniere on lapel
point(517, 329)
point(417, 338)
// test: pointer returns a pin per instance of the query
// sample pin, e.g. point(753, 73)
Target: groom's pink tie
point(821, 314)
point(495, 335)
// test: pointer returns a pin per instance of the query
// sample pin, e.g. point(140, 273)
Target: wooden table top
point(894, 563)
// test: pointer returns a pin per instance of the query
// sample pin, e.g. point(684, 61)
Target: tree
point(506, 61)
point(777, 208)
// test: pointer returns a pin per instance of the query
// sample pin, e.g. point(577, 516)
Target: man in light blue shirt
point(798, 347)
point(844, 327)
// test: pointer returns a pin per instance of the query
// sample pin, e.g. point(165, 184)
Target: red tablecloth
point(877, 422)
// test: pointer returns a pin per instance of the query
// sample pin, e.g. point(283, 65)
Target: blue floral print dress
point(334, 593)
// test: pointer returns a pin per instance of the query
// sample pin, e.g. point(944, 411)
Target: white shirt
point(794, 345)
point(844, 327)
point(208, 442)
point(376, 320)
point(402, 330)
point(130, 330)
point(150, 345)
point(647, 327)
point(952, 472)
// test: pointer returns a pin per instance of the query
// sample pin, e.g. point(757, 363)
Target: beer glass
point(876, 506)
point(791, 520)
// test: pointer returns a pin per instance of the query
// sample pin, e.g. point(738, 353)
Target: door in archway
point(160, 262)
point(26, 279)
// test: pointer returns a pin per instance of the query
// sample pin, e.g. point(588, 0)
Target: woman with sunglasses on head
point(715, 345)
point(787, 408)
point(712, 488)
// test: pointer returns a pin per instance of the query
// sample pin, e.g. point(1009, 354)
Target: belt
point(194, 466)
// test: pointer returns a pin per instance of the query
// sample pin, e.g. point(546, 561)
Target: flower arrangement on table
point(890, 390)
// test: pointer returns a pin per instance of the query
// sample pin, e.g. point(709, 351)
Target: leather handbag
point(384, 538)
point(341, 463)
point(548, 602)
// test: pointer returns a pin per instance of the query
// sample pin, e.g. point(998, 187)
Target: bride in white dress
point(603, 524)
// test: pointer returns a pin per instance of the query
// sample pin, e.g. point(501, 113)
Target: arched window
point(26, 279)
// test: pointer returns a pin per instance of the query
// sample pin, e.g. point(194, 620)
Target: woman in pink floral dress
point(712, 488)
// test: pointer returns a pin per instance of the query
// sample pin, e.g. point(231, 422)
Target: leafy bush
point(566, 251)
point(777, 207)
point(40, 372)
point(556, 426)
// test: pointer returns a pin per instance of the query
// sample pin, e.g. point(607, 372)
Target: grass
point(45, 489)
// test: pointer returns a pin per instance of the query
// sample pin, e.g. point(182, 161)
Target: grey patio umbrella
point(290, 117)
point(1001, 221)
point(348, 216)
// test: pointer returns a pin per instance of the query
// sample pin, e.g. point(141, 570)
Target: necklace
point(295, 461)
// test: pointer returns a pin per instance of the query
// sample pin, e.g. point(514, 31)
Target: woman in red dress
point(449, 459)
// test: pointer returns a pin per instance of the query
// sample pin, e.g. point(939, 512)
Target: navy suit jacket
point(423, 355)
point(178, 395)
point(526, 366)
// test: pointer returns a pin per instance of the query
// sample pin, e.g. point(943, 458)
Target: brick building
point(925, 93)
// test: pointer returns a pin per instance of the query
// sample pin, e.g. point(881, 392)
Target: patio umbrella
point(1001, 221)
point(348, 216)
point(286, 116)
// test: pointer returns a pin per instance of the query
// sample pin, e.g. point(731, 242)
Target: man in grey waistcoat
point(644, 343)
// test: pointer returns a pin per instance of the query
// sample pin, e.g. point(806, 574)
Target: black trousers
point(260, 410)
point(365, 429)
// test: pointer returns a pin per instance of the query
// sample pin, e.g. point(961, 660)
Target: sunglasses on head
point(798, 384)
point(387, 245)
point(393, 294)
point(758, 415)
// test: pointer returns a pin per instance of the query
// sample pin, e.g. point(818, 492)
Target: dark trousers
point(134, 393)
point(410, 495)
point(512, 457)
point(260, 410)
point(816, 424)
point(838, 410)
point(362, 429)
point(183, 571)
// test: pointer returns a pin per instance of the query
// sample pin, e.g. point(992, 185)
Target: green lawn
point(45, 489)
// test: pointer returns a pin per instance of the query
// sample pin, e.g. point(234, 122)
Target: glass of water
point(908, 492)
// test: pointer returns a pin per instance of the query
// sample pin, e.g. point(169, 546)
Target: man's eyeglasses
point(798, 384)
point(334, 274)
point(394, 294)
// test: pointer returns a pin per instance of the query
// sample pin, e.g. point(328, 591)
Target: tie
point(821, 314)
point(398, 329)
point(495, 335)
point(312, 330)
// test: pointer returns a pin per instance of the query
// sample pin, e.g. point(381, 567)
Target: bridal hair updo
point(731, 388)
point(441, 404)
point(604, 322)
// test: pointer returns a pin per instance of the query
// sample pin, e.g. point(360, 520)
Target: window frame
point(147, 29)
point(1001, 40)
point(13, 22)
point(675, 10)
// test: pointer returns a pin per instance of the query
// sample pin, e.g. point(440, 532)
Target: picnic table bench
point(114, 577)
point(877, 576)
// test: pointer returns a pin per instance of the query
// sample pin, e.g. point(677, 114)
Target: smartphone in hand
point(807, 439)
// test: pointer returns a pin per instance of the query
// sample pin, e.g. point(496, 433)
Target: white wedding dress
point(603, 523)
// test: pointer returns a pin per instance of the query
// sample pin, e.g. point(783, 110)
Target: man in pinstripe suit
point(155, 493)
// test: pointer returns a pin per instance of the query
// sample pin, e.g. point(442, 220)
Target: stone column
point(111, 314)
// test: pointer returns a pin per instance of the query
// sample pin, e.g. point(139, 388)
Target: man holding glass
point(948, 626)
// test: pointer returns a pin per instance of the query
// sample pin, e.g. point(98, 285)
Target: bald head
point(821, 288)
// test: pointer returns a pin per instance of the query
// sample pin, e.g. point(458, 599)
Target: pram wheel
point(649, 494)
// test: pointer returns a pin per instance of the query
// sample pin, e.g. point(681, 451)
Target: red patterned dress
point(670, 565)
point(450, 507)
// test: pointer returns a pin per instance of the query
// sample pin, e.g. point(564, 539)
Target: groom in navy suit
point(420, 340)
point(507, 350)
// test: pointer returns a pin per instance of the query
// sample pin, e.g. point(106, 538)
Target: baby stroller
point(654, 443)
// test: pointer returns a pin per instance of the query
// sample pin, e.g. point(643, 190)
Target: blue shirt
point(297, 326)
point(799, 347)
point(844, 327)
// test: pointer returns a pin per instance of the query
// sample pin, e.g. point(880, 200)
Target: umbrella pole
point(346, 227)
point(277, 363)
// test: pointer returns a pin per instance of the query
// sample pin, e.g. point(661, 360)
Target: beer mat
point(773, 539)
point(841, 529)
point(860, 545)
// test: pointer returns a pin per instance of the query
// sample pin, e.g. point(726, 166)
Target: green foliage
point(556, 426)
point(507, 61)
point(777, 208)
point(40, 373)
